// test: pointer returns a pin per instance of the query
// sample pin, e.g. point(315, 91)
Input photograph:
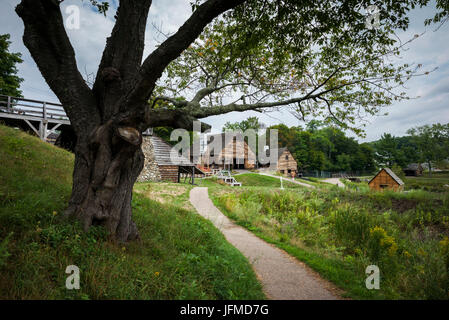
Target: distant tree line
point(424, 144)
point(321, 147)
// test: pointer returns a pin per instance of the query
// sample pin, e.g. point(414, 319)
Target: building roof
point(414, 167)
point(166, 155)
point(222, 136)
point(280, 151)
point(213, 137)
point(391, 174)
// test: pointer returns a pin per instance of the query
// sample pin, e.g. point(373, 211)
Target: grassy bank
point(180, 255)
point(340, 232)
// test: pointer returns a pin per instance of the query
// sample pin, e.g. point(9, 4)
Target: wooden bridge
point(42, 117)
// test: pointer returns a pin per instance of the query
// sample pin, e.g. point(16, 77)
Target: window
point(282, 171)
point(286, 157)
point(384, 186)
point(289, 171)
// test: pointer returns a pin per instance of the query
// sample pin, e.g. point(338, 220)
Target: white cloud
point(431, 50)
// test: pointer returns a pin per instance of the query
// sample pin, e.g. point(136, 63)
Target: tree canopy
point(318, 60)
point(9, 80)
point(432, 142)
point(326, 148)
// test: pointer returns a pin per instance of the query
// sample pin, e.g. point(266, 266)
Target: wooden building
point(231, 153)
point(286, 164)
point(413, 169)
point(386, 179)
point(164, 163)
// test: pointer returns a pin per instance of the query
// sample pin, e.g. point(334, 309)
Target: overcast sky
point(431, 50)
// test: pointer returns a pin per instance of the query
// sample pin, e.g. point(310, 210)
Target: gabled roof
point(214, 137)
point(280, 151)
point(414, 167)
point(391, 174)
point(211, 139)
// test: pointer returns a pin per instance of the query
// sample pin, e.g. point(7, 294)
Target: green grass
point(180, 255)
point(339, 232)
point(438, 182)
point(252, 180)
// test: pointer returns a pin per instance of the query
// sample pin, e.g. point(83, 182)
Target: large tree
point(387, 151)
point(432, 142)
point(336, 63)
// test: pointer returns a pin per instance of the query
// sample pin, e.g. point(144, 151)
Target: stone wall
point(150, 171)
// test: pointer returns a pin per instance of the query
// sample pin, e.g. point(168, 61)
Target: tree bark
point(107, 120)
point(107, 165)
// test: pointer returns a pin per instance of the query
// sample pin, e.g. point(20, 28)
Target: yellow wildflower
point(407, 254)
point(421, 252)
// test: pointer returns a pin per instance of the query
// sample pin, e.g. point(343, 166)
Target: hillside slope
point(180, 255)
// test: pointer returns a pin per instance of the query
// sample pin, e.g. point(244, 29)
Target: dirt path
point(282, 276)
point(289, 180)
point(335, 181)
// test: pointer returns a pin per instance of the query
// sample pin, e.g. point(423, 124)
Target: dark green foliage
point(325, 148)
point(9, 81)
point(432, 142)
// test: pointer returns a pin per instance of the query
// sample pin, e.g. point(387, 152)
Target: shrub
point(380, 243)
point(4, 254)
point(351, 225)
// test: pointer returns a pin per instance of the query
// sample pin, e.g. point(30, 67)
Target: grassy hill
point(180, 254)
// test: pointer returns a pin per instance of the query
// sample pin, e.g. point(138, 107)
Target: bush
point(351, 225)
point(4, 254)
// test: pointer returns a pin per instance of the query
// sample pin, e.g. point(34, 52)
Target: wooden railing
point(34, 112)
point(32, 109)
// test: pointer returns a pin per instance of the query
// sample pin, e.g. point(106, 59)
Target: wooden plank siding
point(169, 173)
point(286, 162)
point(230, 152)
point(385, 181)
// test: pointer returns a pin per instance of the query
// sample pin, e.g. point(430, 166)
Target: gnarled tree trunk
point(109, 118)
point(106, 168)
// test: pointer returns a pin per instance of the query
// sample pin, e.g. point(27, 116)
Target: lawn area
point(438, 182)
point(180, 255)
point(252, 180)
point(339, 232)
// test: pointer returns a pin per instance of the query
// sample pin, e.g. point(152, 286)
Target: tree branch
point(122, 61)
point(171, 48)
point(50, 47)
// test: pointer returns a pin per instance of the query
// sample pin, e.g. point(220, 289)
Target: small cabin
point(286, 164)
point(413, 169)
point(386, 179)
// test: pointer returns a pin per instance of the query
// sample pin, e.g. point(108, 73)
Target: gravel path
point(289, 180)
point(335, 181)
point(282, 276)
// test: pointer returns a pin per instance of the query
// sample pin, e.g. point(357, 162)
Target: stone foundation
point(150, 171)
